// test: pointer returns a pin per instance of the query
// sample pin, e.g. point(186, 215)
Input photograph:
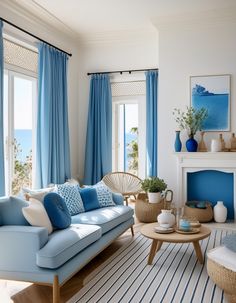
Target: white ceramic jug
point(216, 145)
point(220, 212)
point(166, 217)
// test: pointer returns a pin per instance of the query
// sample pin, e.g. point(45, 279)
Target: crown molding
point(207, 18)
point(36, 16)
point(122, 36)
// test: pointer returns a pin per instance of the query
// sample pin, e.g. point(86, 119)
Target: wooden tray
point(160, 230)
point(191, 231)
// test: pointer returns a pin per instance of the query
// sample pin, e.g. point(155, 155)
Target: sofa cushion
point(11, 211)
point(104, 195)
point(57, 211)
point(35, 213)
point(118, 198)
point(64, 244)
point(107, 218)
point(90, 198)
point(38, 194)
point(70, 192)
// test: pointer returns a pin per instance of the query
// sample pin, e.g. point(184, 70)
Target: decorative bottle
point(178, 143)
point(202, 145)
point(222, 142)
point(220, 212)
point(233, 142)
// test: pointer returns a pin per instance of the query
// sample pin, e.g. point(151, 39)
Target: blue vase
point(178, 144)
point(191, 144)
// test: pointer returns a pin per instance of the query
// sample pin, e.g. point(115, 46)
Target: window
point(129, 134)
point(19, 129)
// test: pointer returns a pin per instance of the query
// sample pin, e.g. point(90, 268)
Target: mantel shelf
point(206, 155)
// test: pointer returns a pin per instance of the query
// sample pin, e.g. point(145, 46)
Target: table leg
point(198, 251)
point(159, 244)
point(152, 251)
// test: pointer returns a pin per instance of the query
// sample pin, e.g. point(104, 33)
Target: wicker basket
point(199, 214)
point(147, 212)
point(224, 278)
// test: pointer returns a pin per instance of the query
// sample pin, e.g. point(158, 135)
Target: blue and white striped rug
point(175, 275)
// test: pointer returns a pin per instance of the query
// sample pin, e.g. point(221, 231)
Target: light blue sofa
point(28, 253)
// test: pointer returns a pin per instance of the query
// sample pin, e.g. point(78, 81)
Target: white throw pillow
point(36, 215)
point(37, 194)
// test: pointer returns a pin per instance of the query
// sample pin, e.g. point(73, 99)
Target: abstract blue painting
point(212, 93)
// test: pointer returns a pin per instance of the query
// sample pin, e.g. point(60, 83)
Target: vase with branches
point(191, 120)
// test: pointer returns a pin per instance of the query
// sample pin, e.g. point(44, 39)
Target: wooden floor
point(20, 292)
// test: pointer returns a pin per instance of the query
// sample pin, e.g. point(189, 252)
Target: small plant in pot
point(153, 186)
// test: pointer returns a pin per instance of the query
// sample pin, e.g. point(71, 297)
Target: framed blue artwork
point(212, 93)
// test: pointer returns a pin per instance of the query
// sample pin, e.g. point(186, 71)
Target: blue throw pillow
point(230, 242)
point(90, 198)
point(70, 192)
point(104, 195)
point(57, 211)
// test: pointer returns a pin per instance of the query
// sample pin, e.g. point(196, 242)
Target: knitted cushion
point(104, 195)
point(70, 192)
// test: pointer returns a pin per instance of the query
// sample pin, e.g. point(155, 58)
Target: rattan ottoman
point(223, 276)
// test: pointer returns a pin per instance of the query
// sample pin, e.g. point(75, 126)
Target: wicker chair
point(124, 183)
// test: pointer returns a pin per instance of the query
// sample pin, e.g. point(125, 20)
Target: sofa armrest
point(19, 245)
point(118, 198)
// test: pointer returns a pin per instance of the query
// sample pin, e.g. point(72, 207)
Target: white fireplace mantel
point(193, 162)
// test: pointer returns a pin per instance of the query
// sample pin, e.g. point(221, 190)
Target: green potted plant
point(191, 120)
point(153, 186)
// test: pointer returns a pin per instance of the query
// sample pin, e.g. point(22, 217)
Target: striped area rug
point(175, 275)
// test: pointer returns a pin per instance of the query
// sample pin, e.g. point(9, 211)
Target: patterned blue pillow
point(104, 195)
point(71, 195)
point(230, 242)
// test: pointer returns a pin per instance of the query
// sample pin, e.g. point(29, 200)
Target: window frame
point(14, 71)
point(141, 101)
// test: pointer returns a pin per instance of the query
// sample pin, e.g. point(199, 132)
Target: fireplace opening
point(212, 186)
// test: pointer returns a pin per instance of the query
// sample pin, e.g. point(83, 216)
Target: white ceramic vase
point(154, 197)
point(220, 212)
point(216, 145)
point(166, 218)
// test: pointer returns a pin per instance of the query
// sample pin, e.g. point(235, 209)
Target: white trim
point(194, 162)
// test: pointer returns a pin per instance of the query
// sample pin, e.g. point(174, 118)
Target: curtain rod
point(123, 71)
point(34, 36)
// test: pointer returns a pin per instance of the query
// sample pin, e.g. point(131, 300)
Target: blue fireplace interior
point(212, 186)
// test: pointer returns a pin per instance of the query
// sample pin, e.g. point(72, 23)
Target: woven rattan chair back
point(124, 183)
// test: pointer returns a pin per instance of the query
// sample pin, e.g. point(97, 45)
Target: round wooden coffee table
point(157, 239)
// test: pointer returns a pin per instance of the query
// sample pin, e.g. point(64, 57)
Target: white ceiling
point(93, 16)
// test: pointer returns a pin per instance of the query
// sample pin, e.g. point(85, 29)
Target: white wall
point(116, 55)
point(186, 50)
point(56, 37)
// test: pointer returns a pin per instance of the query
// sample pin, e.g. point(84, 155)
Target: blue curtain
point(151, 122)
point(53, 151)
point(98, 154)
point(2, 172)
